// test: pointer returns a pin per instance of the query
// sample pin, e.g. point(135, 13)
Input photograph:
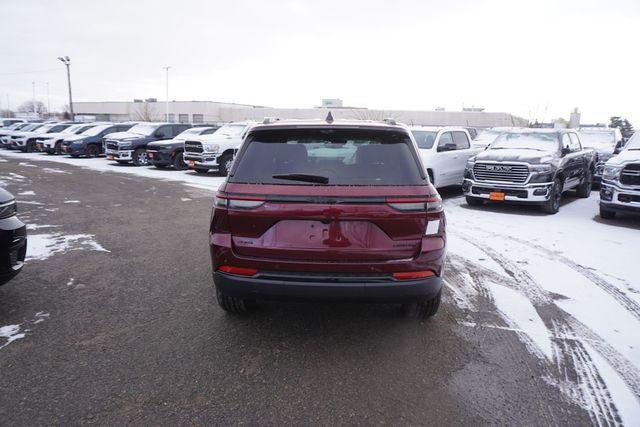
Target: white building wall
point(216, 112)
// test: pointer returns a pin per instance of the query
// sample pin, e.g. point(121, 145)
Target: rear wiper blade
point(303, 177)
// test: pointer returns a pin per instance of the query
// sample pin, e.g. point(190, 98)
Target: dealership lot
point(114, 318)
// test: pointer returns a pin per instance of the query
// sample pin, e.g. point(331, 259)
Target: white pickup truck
point(216, 151)
point(444, 152)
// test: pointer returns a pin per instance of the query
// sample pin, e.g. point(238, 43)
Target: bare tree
point(27, 107)
point(7, 114)
point(147, 112)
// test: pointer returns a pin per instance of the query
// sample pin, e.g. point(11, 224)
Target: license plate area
point(192, 163)
point(496, 195)
point(110, 157)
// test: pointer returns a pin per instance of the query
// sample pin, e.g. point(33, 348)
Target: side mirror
point(565, 150)
point(447, 147)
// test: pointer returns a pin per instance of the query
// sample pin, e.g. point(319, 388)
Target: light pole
point(166, 104)
point(33, 86)
point(48, 103)
point(66, 61)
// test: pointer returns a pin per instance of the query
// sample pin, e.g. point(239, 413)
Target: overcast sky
point(536, 59)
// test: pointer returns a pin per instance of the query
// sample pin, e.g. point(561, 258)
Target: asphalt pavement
point(134, 335)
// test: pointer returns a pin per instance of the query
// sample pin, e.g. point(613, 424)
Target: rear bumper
point(533, 193)
point(300, 287)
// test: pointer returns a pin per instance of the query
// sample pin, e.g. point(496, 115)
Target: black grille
point(628, 198)
point(500, 172)
point(112, 145)
point(192, 147)
point(630, 175)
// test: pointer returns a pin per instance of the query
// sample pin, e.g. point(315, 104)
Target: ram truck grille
point(630, 175)
point(193, 147)
point(501, 172)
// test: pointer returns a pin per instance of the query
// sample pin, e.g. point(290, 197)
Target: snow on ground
point(27, 193)
point(11, 333)
point(43, 246)
point(566, 284)
point(209, 181)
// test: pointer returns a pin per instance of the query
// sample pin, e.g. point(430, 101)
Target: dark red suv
point(328, 211)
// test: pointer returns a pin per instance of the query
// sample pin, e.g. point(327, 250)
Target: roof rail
point(270, 120)
point(390, 121)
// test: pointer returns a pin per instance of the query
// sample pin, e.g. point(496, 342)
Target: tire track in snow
point(569, 336)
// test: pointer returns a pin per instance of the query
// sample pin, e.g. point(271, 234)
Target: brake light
point(240, 271)
point(430, 204)
point(411, 275)
point(226, 201)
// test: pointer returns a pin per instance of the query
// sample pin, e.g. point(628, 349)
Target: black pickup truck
point(530, 166)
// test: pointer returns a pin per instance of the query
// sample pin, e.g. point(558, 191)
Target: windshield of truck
point(328, 156)
point(604, 140)
point(634, 142)
point(73, 129)
point(145, 129)
point(230, 130)
point(424, 138)
point(487, 136)
point(191, 131)
point(527, 141)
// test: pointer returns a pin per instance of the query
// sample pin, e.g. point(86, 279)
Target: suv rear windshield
point(328, 156)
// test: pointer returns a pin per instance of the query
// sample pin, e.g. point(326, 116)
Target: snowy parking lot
point(564, 285)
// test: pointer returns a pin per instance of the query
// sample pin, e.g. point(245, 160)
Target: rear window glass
point(424, 139)
point(327, 156)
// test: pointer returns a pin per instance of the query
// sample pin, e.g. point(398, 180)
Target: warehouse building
point(221, 112)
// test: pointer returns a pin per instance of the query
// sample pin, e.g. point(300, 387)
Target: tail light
point(227, 201)
point(429, 204)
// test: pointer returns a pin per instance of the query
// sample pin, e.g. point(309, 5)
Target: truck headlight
point(124, 145)
point(8, 209)
point(540, 168)
point(211, 148)
point(611, 172)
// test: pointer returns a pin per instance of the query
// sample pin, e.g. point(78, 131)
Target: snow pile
point(208, 181)
point(43, 246)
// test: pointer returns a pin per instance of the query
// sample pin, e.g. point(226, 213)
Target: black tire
point(584, 189)
point(140, 157)
point(234, 305)
point(224, 164)
point(198, 170)
point(93, 150)
point(75, 156)
point(607, 213)
point(58, 148)
point(423, 309)
point(160, 166)
point(552, 206)
point(122, 162)
point(473, 201)
point(178, 162)
point(30, 147)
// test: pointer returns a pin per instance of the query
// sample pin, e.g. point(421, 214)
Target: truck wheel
point(93, 151)
point(584, 189)
point(29, 147)
point(423, 309)
point(607, 213)
point(473, 201)
point(225, 161)
point(140, 157)
point(234, 305)
point(552, 206)
point(178, 162)
point(58, 148)
point(201, 170)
